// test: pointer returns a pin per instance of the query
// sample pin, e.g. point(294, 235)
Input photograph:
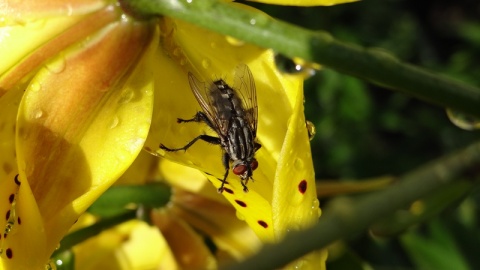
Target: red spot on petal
point(302, 187)
point(7, 216)
point(263, 224)
point(228, 190)
point(242, 204)
point(9, 253)
point(11, 198)
point(19, 221)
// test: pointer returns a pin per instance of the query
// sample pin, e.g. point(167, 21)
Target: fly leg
point(199, 117)
point(225, 161)
point(209, 139)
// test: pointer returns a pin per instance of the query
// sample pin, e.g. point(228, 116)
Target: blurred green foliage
point(364, 130)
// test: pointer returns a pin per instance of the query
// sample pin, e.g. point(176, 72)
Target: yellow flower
point(84, 87)
point(76, 109)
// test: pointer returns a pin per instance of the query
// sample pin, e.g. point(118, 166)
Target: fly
point(232, 114)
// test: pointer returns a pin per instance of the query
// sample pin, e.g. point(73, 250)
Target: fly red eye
point(254, 164)
point(239, 169)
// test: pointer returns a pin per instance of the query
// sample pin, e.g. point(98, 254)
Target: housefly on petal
point(232, 113)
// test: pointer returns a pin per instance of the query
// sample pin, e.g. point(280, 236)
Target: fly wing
point(245, 89)
point(204, 97)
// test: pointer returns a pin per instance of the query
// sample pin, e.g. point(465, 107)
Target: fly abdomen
point(240, 140)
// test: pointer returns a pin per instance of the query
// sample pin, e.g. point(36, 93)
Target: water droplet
point(253, 21)
point(35, 87)
point(114, 122)
point(148, 92)
point(183, 61)
point(38, 113)
point(177, 51)
point(189, 1)
point(463, 121)
point(126, 97)
point(235, 42)
point(56, 66)
point(301, 264)
point(315, 210)
point(295, 66)
point(124, 18)
point(310, 129)
point(299, 164)
point(239, 215)
point(51, 265)
point(205, 64)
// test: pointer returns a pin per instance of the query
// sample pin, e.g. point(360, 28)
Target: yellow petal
point(24, 47)
point(187, 245)
point(129, 246)
point(188, 179)
point(80, 128)
point(304, 2)
point(295, 204)
point(22, 225)
point(23, 11)
point(218, 221)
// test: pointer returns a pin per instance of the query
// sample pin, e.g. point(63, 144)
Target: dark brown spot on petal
point(5, 235)
point(263, 224)
point(7, 216)
point(302, 187)
point(19, 221)
point(9, 253)
point(228, 190)
point(11, 198)
point(17, 181)
point(242, 204)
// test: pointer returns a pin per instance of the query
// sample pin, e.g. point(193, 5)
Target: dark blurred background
point(365, 131)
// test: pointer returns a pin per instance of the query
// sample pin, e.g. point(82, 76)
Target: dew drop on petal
point(235, 42)
point(239, 215)
point(463, 121)
point(35, 87)
point(56, 66)
point(315, 210)
point(300, 264)
point(205, 63)
point(298, 164)
point(114, 122)
point(253, 21)
point(126, 97)
point(38, 113)
point(177, 51)
point(310, 129)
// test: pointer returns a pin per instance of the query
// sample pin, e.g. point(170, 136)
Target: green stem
point(83, 234)
point(374, 65)
point(346, 217)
